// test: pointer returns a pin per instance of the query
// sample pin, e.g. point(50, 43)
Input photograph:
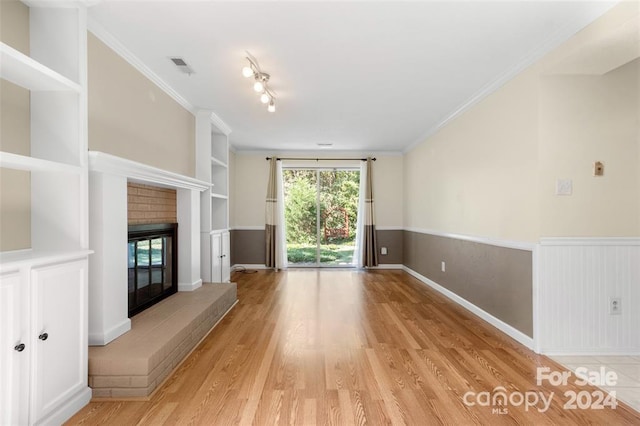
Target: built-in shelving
point(218, 163)
point(22, 162)
point(26, 72)
point(13, 260)
point(212, 156)
point(47, 383)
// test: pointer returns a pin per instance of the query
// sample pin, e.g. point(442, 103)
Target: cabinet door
point(59, 327)
point(14, 359)
point(216, 258)
point(226, 257)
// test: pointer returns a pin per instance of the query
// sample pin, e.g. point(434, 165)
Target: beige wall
point(129, 116)
point(476, 176)
point(232, 186)
point(586, 119)
point(249, 174)
point(250, 189)
point(15, 185)
point(491, 172)
point(388, 182)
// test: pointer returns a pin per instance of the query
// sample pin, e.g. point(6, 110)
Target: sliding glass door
point(321, 207)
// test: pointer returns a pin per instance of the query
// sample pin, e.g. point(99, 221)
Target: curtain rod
point(321, 159)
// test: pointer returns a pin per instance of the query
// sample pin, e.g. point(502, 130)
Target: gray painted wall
point(392, 240)
point(248, 246)
point(496, 279)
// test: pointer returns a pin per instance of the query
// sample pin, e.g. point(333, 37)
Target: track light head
point(247, 71)
point(267, 96)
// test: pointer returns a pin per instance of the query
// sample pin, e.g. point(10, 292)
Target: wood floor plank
point(346, 347)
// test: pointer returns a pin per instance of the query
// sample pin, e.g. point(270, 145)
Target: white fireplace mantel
point(142, 173)
point(108, 234)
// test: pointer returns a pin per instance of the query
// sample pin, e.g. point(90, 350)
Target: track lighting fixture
point(260, 85)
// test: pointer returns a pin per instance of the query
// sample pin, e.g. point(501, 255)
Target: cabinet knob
point(43, 336)
point(19, 347)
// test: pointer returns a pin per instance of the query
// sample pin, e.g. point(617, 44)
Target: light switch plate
point(564, 187)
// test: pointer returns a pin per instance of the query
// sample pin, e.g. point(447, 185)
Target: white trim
point(518, 245)
point(535, 298)
point(389, 228)
point(219, 124)
point(259, 266)
point(67, 410)
point(107, 38)
point(497, 323)
point(553, 41)
point(593, 352)
point(247, 228)
point(16, 259)
point(101, 339)
point(134, 171)
point(387, 266)
point(190, 287)
point(590, 241)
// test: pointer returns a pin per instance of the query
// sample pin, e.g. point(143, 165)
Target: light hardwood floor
point(310, 347)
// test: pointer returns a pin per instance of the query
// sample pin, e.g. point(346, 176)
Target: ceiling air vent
point(182, 65)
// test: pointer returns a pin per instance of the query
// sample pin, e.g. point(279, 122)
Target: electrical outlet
point(443, 266)
point(615, 306)
point(383, 251)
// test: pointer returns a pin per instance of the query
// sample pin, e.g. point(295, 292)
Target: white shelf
point(220, 196)
point(13, 260)
point(20, 69)
point(31, 164)
point(218, 230)
point(216, 162)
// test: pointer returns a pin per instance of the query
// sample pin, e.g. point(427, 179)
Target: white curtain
point(357, 253)
point(366, 252)
point(281, 230)
point(275, 233)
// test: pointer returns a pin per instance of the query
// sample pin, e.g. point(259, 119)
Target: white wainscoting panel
point(577, 279)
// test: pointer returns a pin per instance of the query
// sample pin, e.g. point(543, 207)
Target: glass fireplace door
point(151, 270)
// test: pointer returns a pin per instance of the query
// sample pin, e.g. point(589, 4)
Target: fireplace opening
point(153, 264)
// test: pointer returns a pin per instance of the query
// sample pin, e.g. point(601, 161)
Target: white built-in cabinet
point(43, 290)
point(212, 165)
point(44, 341)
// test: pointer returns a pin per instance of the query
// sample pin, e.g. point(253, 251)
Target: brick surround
point(136, 363)
point(150, 204)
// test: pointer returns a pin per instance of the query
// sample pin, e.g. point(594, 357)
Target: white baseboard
point(64, 412)
point(190, 287)
point(387, 266)
point(101, 339)
point(248, 266)
point(594, 352)
point(497, 323)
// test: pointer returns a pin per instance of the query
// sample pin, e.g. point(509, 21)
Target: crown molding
point(219, 124)
point(107, 38)
point(548, 45)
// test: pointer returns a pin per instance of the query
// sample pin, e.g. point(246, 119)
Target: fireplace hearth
point(152, 264)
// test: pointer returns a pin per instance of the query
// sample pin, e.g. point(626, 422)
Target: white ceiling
point(365, 76)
